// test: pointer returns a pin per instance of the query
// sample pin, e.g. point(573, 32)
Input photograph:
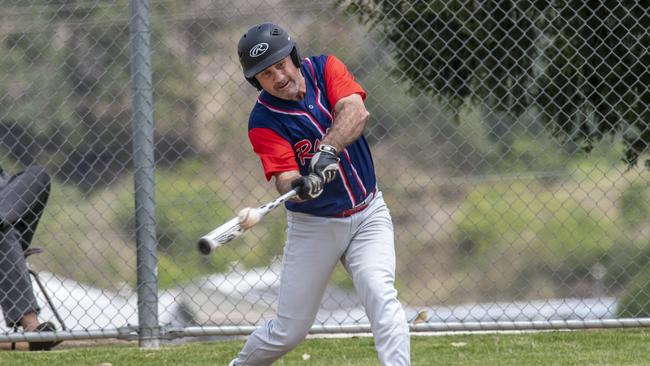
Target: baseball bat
point(231, 229)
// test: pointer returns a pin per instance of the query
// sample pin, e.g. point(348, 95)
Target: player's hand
point(308, 186)
point(325, 163)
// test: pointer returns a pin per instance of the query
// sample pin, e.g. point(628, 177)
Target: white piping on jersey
point(293, 113)
point(329, 115)
point(354, 170)
point(318, 100)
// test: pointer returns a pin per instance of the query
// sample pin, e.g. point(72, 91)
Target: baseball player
point(307, 129)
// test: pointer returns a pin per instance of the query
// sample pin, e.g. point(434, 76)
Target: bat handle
point(266, 208)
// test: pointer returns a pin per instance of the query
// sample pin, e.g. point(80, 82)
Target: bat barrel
point(232, 229)
point(205, 246)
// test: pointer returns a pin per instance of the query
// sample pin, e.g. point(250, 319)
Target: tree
point(581, 64)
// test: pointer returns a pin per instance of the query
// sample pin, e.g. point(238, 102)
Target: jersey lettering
point(302, 149)
point(305, 150)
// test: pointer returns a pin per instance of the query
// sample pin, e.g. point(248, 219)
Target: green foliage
point(532, 153)
point(624, 261)
point(171, 273)
point(635, 301)
point(496, 217)
point(634, 205)
point(521, 230)
point(583, 67)
point(341, 278)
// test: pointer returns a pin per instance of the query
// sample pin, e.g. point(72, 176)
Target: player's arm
point(350, 119)
point(347, 98)
point(283, 180)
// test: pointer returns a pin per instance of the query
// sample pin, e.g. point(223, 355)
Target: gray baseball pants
point(364, 242)
point(22, 201)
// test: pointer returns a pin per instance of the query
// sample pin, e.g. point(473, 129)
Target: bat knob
point(205, 246)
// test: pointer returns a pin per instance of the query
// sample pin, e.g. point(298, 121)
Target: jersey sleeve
point(275, 152)
point(339, 81)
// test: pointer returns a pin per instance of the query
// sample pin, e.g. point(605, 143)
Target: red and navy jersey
point(286, 134)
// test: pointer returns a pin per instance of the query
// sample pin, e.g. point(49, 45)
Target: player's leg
point(370, 260)
point(16, 294)
point(19, 196)
point(40, 192)
point(310, 255)
point(23, 199)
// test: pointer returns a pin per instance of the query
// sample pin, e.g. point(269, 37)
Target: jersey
point(285, 134)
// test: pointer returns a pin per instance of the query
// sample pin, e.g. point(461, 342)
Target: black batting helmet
point(262, 46)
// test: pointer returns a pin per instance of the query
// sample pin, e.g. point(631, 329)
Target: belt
point(352, 211)
point(358, 208)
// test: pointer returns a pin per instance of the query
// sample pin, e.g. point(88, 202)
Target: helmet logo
point(259, 49)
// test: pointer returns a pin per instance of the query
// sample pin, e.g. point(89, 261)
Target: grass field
point(592, 347)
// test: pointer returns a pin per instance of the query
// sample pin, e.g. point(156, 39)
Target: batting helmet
point(262, 46)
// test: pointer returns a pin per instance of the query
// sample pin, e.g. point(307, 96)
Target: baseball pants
point(22, 201)
point(364, 242)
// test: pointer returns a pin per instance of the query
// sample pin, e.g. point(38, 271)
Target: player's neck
point(302, 89)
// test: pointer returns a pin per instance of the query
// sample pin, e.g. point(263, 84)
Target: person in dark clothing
point(22, 200)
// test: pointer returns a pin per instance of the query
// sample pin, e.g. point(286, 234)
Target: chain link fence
point(504, 136)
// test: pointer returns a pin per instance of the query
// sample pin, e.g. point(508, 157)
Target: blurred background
point(508, 137)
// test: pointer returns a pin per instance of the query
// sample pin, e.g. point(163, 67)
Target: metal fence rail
point(505, 137)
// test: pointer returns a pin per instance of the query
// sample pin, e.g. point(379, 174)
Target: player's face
point(283, 80)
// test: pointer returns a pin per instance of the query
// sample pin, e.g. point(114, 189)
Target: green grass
point(592, 347)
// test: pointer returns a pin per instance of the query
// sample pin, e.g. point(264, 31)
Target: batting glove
point(325, 163)
point(308, 186)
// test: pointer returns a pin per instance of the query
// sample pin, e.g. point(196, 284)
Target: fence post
point(143, 161)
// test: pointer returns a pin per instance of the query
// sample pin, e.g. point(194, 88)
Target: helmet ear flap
point(254, 83)
point(295, 56)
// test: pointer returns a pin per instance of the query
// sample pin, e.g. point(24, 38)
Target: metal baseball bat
point(231, 229)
